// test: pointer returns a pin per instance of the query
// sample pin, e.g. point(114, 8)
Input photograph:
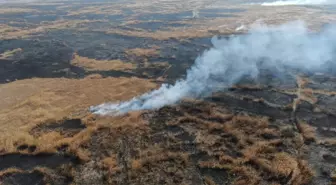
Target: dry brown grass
point(111, 164)
point(324, 92)
point(101, 65)
point(308, 95)
point(94, 76)
point(302, 82)
point(6, 28)
point(307, 131)
point(53, 99)
point(15, 33)
point(333, 176)
point(247, 175)
point(302, 175)
point(155, 155)
point(296, 103)
point(282, 164)
point(328, 142)
point(142, 52)
point(10, 170)
point(164, 35)
point(100, 10)
point(302, 93)
point(250, 149)
point(134, 21)
point(208, 181)
point(17, 10)
point(136, 164)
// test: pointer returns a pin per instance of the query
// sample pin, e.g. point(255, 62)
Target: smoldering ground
point(275, 48)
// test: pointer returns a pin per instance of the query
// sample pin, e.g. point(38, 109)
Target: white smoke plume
point(298, 2)
point(229, 60)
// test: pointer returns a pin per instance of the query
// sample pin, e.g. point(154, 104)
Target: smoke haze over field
point(299, 2)
point(229, 60)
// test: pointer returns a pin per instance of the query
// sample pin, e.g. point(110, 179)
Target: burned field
point(59, 58)
point(234, 137)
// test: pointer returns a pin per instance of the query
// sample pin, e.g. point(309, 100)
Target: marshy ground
point(59, 58)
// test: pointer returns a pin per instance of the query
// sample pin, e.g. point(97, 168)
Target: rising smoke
point(299, 2)
point(229, 60)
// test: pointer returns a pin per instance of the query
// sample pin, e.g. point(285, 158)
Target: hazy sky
point(298, 2)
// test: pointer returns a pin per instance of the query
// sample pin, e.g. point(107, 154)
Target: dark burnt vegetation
point(270, 130)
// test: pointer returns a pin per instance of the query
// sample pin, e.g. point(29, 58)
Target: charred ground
point(57, 59)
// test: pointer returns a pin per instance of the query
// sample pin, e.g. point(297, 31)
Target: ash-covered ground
point(59, 58)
